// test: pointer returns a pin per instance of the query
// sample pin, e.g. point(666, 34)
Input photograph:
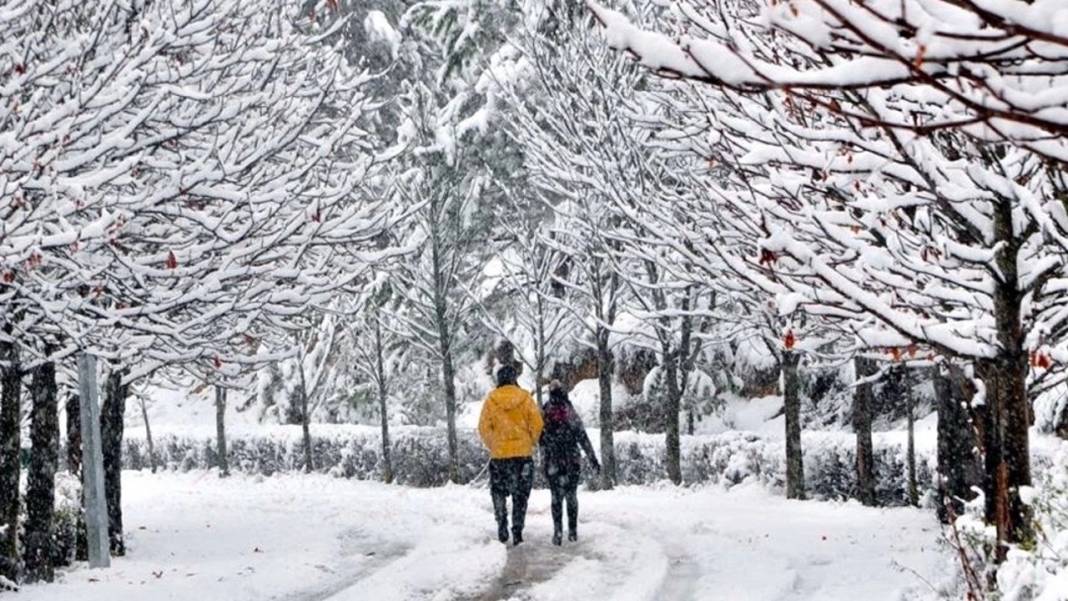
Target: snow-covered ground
point(302, 538)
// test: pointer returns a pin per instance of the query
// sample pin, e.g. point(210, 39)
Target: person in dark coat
point(561, 440)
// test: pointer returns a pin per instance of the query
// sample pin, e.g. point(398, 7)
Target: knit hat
point(506, 375)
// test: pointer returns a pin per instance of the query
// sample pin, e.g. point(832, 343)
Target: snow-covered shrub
point(67, 519)
point(420, 457)
point(1040, 573)
point(1037, 571)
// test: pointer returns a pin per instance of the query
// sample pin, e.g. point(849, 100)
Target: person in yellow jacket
point(510, 425)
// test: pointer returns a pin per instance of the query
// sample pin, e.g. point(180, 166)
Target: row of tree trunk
point(959, 446)
point(31, 558)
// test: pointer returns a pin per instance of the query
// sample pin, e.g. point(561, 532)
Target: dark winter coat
point(563, 438)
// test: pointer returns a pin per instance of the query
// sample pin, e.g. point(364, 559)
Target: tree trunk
point(111, 433)
point(448, 378)
point(41, 480)
point(689, 421)
point(305, 425)
point(958, 467)
point(383, 398)
point(148, 436)
point(862, 418)
point(608, 444)
point(791, 394)
point(10, 468)
point(538, 371)
point(74, 466)
point(910, 455)
point(442, 284)
point(74, 435)
point(387, 461)
point(220, 432)
point(673, 400)
point(1007, 462)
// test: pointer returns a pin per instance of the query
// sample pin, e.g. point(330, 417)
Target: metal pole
point(96, 509)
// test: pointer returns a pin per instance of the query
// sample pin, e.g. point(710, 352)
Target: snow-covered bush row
point(420, 454)
point(420, 457)
point(735, 457)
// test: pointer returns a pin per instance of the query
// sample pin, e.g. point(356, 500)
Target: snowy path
point(194, 537)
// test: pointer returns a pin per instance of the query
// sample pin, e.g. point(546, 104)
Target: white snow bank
point(195, 537)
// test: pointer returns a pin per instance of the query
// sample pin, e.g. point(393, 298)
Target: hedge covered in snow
point(420, 457)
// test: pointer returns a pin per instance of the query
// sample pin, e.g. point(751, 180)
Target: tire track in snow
point(678, 580)
point(354, 545)
point(680, 584)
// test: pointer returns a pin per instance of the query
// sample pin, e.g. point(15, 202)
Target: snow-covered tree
point(446, 230)
point(521, 302)
point(916, 200)
point(379, 354)
point(196, 177)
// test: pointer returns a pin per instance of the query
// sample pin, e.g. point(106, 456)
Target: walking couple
point(511, 425)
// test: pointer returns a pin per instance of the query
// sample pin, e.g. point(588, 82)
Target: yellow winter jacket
point(510, 423)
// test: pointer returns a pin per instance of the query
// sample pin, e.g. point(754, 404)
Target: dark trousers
point(564, 487)
point(515, 477)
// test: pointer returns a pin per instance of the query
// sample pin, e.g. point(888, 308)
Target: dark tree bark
point(220, 432)
point(74, 465)
point(442, 322)
point(958, 465)
point(448, 380)
point(671, 419)
point(10, 468)
point(387, 460)
point(383, 398)
point(1007, 462)
point(41, 480)
point(910, 452)
point(305, 424)
point(605, 366)
point(791, 393)
point(1008, 458)
point(862, 417)
point(111, 434)
point(74, 435)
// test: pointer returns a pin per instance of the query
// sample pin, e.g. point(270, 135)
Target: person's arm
point(485, 424)
point(584, 439)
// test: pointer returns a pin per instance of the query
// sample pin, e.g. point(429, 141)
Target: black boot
point(572, 535)
point(502, 532)
point(558, 537)
point(517, 537)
